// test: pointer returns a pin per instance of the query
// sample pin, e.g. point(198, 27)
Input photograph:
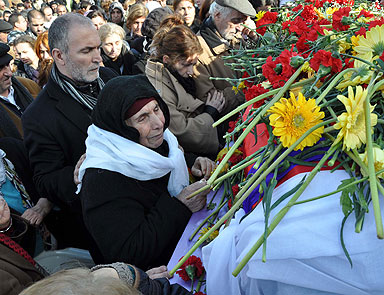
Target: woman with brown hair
point(170, 71)
point(136, 17)
point(45, 59)
point(28, 61)
point(186, 9)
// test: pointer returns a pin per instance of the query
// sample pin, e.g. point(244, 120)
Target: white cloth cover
point(304, 254)
point(107, 150)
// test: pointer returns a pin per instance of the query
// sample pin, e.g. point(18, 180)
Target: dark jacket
point(10, 122)
point(55, 128)
point(133, 221)
point(126, 60)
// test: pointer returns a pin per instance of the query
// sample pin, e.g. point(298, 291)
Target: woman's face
point(184, 66)
point(136, 26)
point(149, 121)
point(98, 21)
point(187, 11)
point(26, 53)
point(44, 53)
point(112, 46)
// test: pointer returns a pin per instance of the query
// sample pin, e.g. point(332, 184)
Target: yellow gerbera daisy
point(211, 237)
point(372, 46)
point(260, 15)
point(292, 117)
point(352, 122)
point(362, 75)
point(378, 157)
point(355, 42)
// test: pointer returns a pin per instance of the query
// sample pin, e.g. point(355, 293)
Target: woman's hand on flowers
point(36, 214)
point(216, 100)
point(158, 272)
point(197, 202)
point(203, 167)
point(5, 214)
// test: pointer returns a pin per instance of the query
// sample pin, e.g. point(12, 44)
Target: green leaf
point(342, 239)
point(345, 199)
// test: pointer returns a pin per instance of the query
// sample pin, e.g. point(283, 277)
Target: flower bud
point(296, 61)
point(278, 69)
point(323, 71)
point(346, 21)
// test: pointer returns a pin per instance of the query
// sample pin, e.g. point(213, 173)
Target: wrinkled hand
point(203, 167)
point(216, 100)
point(197, 202)
point(77, 168)
point(251, 25)
point(158, 272)
point(36, 214)
point(5, 214)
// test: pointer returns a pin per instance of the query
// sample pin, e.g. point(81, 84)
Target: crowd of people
point(106, 113)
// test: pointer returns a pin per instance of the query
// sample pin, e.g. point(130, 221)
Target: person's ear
point(217, 16)
point(58, 57)
point(166, 59)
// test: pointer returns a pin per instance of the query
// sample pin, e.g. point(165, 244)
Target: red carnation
point(361, 32)
point(246, 82)
point(365, 14)
point(302, 44)
point(191, 269)
point(309, 13)
point(325, 59)
point(235, 190)
point(298, 26)
point(337, 18)
point(199, 293)
point(374, 23)
point(255, 91)
point(280, 70)
point(267, 19)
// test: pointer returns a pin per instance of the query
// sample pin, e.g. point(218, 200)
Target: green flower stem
point(258, 172)
point(206, 219)
point(332, 85)
point(356, 158)
point(280, 215)
point(338, 190)
point(371, 170)
point(331, 193)
point(223, 177)
point(258, 98)
point(200, 282)
point(237, 204)
point(376, 87)
point(253, 124)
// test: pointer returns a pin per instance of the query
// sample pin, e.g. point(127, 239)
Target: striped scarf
point(85, 99)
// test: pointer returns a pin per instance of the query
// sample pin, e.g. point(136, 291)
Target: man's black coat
point(55, 128)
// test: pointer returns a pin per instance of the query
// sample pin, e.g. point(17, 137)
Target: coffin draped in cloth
point(304, 252)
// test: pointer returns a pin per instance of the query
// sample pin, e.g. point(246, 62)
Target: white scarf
point(107, 150)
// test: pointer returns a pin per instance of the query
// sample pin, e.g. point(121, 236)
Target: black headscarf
point(117, 96)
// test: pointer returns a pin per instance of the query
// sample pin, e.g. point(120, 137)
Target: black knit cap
point(116, 97)
point(5, 58)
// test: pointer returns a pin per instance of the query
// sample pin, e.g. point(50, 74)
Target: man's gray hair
point(58, 31)
point(224, 11)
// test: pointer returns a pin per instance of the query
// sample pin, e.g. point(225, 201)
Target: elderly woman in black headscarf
point(134, 178)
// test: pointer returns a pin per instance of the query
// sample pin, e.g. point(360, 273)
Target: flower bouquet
point(313, 84)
